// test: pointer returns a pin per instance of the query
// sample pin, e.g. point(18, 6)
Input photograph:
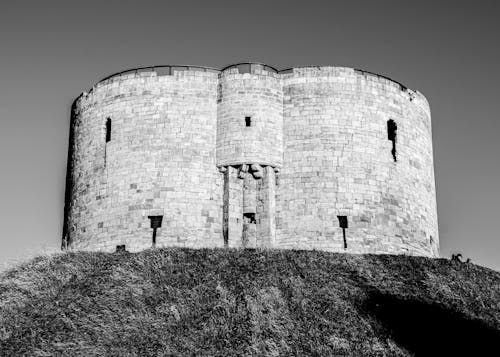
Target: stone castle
point(326, 158)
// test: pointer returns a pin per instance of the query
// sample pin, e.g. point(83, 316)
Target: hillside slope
point(180, 302)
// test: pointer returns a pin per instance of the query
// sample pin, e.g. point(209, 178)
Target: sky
point(51, 51)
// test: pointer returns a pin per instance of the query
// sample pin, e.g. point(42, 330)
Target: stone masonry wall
point(257, 95)
point(317, 147)
point(338, 162)
point(160, 161)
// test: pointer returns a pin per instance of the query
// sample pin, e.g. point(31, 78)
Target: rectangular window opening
point(108, 130)
point(120, 248)
point(249, 218)
point(392, 135)
point(248, 121)
point(155, 224)
point(344, 225)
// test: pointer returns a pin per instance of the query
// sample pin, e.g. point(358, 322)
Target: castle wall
point(160, 161)
point(255, 93)
point(338, 162)
point(318, 146)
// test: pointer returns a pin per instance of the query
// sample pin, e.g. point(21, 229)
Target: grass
point(222, 302)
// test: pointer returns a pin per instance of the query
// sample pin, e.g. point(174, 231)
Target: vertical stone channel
point(266, 208)
point(225, 206)
point(249, 236)
point(249, 206)
point(232, 207)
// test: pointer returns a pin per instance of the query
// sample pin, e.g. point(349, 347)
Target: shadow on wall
point(432, 330)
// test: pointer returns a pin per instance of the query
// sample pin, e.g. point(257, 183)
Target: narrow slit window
point(155, 224)
point(392, 135)
point(108, 130)
point(343, 224)
point(248, 121)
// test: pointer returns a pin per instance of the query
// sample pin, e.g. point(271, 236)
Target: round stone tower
point(327, 158)
point(250, 116)
point(143, 151)
point(358, 150)
point(249, 151)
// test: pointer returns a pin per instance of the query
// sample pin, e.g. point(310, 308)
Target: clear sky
point(51, 51)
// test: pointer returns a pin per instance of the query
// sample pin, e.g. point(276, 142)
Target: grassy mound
point(180, 302)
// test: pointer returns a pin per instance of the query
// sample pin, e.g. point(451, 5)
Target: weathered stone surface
point(338, 161)
point(253, 158)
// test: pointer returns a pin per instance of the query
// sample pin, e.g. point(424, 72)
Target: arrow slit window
point(391, 135)
point(108, 130)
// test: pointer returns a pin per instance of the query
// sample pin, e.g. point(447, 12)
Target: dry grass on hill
point(181, 302)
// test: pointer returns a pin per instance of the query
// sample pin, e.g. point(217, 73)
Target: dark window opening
point(155, 224)
point(121, 248)
point(391, 135)
point(249, 218)
point(431, 240)
point(108, 130)
point(343, 224)
point(248, 121)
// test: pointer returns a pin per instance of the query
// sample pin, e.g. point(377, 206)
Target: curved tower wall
point(252, 91)
point(160, 161)
point(249, 149)
point(338, 162)
point(317, 148)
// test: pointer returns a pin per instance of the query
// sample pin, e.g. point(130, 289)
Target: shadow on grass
point(432, 330)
